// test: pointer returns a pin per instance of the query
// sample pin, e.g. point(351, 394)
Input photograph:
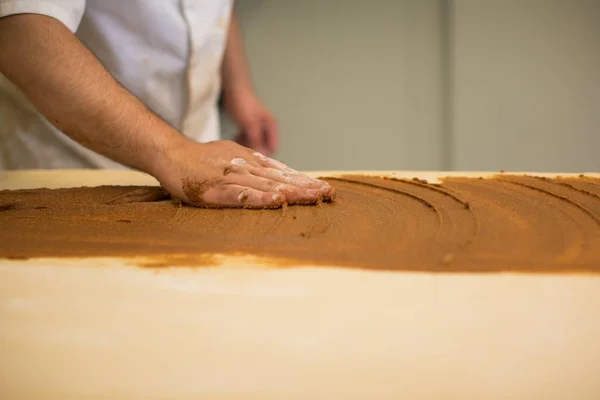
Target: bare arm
point(258, 127)
point(235, 70)
point(72, 89)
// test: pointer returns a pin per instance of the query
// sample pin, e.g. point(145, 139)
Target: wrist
point(162, 159)
point(236, 94)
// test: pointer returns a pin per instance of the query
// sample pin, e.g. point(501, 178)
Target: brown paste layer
point(505, 223)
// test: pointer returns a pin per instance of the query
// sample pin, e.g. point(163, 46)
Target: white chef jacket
point(166, 52)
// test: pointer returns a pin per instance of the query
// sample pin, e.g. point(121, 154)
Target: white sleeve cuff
point(69, 12)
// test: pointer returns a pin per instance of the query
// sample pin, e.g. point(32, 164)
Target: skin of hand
point(73, 90)
point(225, 174)
point(258, 128)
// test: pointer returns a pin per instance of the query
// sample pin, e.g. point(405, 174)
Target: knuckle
point(273, 186)
point(238, 162)
point(280, 188)
point(244, 196)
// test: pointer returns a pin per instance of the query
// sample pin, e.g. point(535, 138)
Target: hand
point(225, 174)
point(258, 127)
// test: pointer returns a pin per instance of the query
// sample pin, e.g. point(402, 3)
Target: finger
point(272, 163)
point(239, 196)
point(293, 194)
point(271, 129)
point(293, 178)
point(254, 136)
point(329, 192)
point(239, 164)
point(290, 176)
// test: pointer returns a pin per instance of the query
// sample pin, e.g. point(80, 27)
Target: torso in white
point(166, 52)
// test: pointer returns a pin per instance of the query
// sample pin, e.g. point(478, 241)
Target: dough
point(516, 223)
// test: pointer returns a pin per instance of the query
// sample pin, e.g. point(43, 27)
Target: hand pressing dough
point(504, 223)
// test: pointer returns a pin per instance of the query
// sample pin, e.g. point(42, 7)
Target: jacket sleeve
point(69, 12)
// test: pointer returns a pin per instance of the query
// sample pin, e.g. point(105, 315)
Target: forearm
point(235, 70)
point(70, 87)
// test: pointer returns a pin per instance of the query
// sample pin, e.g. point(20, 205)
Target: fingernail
point(276, 197)
point(326, 189)
point(313, 192)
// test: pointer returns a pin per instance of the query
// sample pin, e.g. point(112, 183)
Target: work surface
point(107, 328)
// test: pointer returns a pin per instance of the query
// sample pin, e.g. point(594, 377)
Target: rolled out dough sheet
point(105, 328)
